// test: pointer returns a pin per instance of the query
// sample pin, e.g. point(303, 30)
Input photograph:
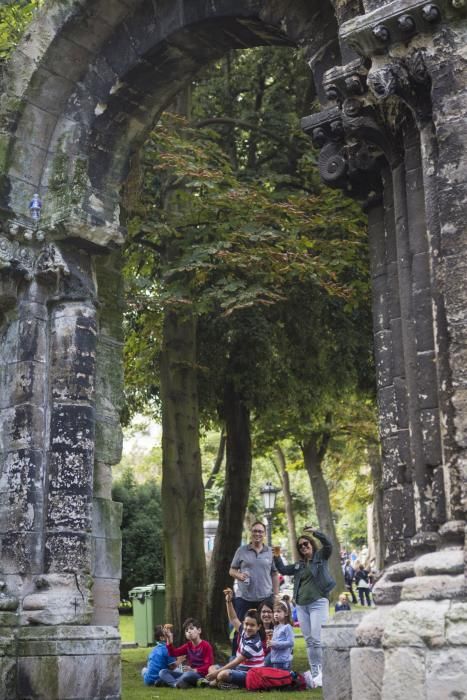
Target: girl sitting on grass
point(281, 641)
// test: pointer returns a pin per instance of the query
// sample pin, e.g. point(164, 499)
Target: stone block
point(393, 472)
point(400, 393)
point(336, 674)
point(77, 663)
point(383, 358)
point(399, 517)
point(429, 421)
point(109, 373)
point(106, 594)
point(72, 426)
point(21, 480)
point(446, 674)
point(27, 162)
point(387, 411)
point(23, 382)
point(21, 427)
point(102, 480)
point(446, 561)
point(367, 670)
point(106, 518)
point(434, 587)
point(21, 552)
point(416, 624)
point(109, 439)
point(339, 632)
point(404, 674)
point(456, 624)
point(7, 676)
point(70, 469)
point(73, 380)
point(67, 552)
point(371, 629)
point(107, 557)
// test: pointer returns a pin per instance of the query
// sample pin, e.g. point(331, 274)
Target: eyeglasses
point(258, 532)
point(303, 544)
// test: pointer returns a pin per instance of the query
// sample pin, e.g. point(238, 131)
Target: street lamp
point(269, 493)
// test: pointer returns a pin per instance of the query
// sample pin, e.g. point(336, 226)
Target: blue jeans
point(311, 617)
point(283, 665)
point(173, 677)
point(238, 678)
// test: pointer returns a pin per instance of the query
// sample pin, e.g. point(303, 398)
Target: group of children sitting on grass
point(256, 647)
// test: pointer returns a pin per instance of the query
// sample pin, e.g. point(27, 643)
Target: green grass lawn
point(134, 659)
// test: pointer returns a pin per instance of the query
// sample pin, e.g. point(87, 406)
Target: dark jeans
point(364, 593)
point(349, 588)
point(242, 606)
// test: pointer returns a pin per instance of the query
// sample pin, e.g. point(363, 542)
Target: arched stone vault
point(89, 79)
point(78, 97)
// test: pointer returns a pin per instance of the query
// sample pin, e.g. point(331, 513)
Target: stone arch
point(76, 102)
point(94, 76)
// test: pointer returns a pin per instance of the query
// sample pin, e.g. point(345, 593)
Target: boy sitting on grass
point(199, 657)
point(250, 652)
point(158, 659)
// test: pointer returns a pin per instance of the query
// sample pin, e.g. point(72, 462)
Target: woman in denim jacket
point(312, 585)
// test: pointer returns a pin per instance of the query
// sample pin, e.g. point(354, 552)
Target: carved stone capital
point(346, 81)
point(395, 23)
point(45, 262)
point(353, 141)
point(406, 79)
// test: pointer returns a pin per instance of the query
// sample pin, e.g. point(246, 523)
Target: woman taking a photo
point(312, 585)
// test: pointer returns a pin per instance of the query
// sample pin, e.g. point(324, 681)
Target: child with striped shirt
point(250, 652)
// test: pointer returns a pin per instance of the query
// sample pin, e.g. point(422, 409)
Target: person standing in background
point(255, 572)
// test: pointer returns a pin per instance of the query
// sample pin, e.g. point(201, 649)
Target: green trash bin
point(148, 611)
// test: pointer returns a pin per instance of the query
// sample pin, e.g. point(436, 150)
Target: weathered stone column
point(412, 121)
point(50, 329)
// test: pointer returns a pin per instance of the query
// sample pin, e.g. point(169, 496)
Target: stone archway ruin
point(78, 97)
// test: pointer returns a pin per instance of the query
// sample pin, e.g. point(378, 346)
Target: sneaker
point(227, 686)
point(318, 677)
point(202, 683)
point(309, 680)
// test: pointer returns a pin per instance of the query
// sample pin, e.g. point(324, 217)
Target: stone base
point(338, 637)
point(60, 663)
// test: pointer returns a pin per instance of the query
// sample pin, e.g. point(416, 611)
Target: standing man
point(254, 569)
point(349, 573)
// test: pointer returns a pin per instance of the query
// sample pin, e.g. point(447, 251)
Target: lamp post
point(269, 493)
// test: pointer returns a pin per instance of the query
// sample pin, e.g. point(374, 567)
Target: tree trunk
point(231, 510)
point(182, 485)
point(313, 457)
point(374, 458)
point(284, 477)
point(218, 463)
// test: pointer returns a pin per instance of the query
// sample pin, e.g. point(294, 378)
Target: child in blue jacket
point(158, 659)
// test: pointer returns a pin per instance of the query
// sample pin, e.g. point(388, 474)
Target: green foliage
point(15, 15)
point(142, 550)
point(233, 225)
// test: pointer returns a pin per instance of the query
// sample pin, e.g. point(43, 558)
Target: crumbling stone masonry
point(78, 97)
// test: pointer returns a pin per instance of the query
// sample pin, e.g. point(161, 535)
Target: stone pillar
point(50, 330)
point(410, 125)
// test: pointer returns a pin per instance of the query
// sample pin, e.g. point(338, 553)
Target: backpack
point(265, 678)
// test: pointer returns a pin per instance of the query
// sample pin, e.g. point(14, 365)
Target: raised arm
point(325, 541)
point(233, 619)
point(284, 569)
